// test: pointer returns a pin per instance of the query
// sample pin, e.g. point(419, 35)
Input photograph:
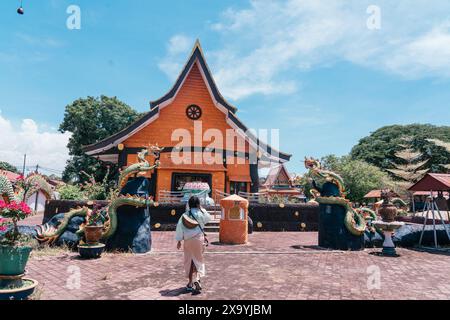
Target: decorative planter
point(19, 289)
point(388, 212)
point(88, 251)
point(13, 260)
point(93, 234)
point(12, 268)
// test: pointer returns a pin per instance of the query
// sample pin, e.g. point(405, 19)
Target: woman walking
point(190, 230)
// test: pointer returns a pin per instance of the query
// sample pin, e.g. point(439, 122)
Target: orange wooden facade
point(229, 169)
point(172, 117)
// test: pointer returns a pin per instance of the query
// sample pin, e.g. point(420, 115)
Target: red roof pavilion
point(432, 182)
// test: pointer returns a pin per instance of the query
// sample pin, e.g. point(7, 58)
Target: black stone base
point(133, 231)
point(333, 234)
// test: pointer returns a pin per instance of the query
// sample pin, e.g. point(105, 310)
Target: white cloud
point(265, 44)
point(46, 148)
point(179, 44)
point(428, 54)
point(177, 49)
point(38, 41)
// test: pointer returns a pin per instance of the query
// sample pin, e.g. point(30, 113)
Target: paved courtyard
point(271, 266)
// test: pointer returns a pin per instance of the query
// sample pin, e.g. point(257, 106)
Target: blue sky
point(312, 69)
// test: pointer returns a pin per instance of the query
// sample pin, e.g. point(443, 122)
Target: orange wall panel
point(172, 117)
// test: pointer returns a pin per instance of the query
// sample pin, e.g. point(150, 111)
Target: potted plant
point(15, 249)
point(93, 229)
point(93, 232)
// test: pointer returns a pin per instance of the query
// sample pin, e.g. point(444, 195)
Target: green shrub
point(71, 192)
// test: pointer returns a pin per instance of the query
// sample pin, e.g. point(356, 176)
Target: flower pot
point(388, 212)
point(87, 251)
point(21, 292)
point(13, 260)
point(93, 234)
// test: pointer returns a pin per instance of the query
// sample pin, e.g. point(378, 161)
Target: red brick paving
point(33, 220)
point(272, 266)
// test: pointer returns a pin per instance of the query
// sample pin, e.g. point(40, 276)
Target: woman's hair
point(194, 202)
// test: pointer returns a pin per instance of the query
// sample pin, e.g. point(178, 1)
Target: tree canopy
point(382, 146)
point(8, 167)
point(446, 147)
point(89, 120)
point(359, 177)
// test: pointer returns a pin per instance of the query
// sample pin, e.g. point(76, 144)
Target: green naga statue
point(49, 233)
point(355, 219)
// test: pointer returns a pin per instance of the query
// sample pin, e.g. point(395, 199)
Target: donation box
point(234, 220)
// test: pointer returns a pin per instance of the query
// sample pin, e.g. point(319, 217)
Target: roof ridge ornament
point(196, 57)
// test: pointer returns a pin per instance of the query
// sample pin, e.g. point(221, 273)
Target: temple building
point(193, 107)
point(280, 182)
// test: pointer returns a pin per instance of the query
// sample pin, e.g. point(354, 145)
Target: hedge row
point(265, 217)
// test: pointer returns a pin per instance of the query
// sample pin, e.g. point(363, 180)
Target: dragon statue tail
point(49, 234)
point(7, 190)
point(111, 225)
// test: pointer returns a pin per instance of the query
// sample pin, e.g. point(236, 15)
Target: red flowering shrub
point(13, 212)
point(3, 225)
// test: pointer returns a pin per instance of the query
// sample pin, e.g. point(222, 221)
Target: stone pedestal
point(234, 221)
point(388, 229)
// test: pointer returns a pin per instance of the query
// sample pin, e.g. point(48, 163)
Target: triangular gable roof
point(274, 173)
point(432, 182)
point(377, 194)
point(196, 57)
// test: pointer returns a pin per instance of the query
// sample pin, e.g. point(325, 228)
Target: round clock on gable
point(193, 112)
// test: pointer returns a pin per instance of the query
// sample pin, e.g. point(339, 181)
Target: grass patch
point(44, 251)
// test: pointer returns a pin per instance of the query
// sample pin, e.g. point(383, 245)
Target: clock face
point(193, 112)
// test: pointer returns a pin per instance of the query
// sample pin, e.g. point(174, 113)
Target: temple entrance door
point(236, 187)
point(180, 179)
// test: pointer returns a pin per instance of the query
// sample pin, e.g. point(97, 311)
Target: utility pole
point(24, 162)
point(37, 192)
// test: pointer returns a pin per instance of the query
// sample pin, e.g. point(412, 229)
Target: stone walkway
point(271, 266)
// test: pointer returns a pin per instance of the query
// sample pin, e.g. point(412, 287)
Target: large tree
point(90, 120)
point(8, 167)
point(359, 177)
point(380, 147)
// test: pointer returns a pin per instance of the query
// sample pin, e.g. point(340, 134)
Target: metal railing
point(181, 196)
point(219, 195)
point(170, 196)
point(256, 197)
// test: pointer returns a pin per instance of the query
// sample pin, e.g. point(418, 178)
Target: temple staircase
point(214, 225)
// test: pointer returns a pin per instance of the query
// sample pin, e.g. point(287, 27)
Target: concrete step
point(213, 226)
point(212, 229)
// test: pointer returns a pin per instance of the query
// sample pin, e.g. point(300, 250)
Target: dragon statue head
point(312, 164)
point(155, 151)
